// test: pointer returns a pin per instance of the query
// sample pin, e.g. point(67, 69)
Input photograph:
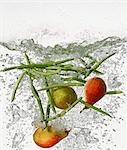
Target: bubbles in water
point(17, 139)
point(90, 130)
point(17, 113)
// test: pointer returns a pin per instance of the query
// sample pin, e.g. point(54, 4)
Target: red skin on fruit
point(94, 90)
point(48, 137)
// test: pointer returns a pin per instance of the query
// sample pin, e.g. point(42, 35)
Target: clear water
point(90, 130)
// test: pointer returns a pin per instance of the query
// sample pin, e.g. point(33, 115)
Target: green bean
point(50, 101)
point(64, 111)
point(46, 73)
point(35, 93)
point(44, 65)
point(75, 103)
point(114, 92)
point(96, 65)
point(61, 85)
point(74, 78)
point(17, 85)
point(95, 108)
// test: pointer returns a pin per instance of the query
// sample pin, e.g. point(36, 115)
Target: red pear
point(48, 137)
point(94, 90)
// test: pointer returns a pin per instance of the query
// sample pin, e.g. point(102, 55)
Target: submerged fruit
point(48, 137)
point(64, 96)
point(95, 89)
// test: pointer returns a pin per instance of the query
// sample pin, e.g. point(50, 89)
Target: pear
point(94, 90)
point(64, 97)
point(49, 136)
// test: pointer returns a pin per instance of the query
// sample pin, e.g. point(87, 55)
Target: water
point(90, 130)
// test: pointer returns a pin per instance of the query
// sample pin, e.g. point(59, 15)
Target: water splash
point(17, 139)
point(71, 48)
point(90, 130)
